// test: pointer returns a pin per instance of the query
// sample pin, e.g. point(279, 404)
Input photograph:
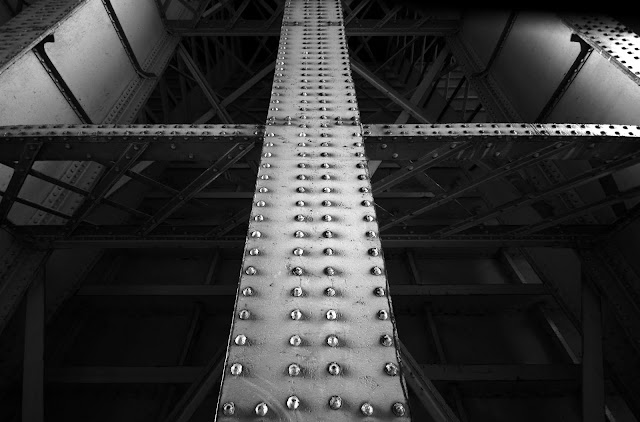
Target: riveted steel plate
point(308, 340)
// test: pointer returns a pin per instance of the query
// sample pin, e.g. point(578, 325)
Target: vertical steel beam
point(593, 409)
point(33, 366)
point(313, 316)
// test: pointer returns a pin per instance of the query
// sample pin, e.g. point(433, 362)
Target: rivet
point(329, 271)
point(370, 234)
point(335, 402)
point(240, 340)
point(330, 291)
point(250, 271)
point(263, 190)
point(398, 409)
point(266, 165)
point(294, 370)
point(302, 165)
point(300, 189)
point(327, 234)
point(299, 233)
point(296, 291)
point(332, 315)
point(293, 402)
point(256, 234)
point(376, 271)
point(228, 409)
point(244, 314)
point(236, 369)
point(324, 165)
point(326, 177)
point(297, 271)
point(254, 252)
point(300, 203)
point(298, 252)
point(332, 341)
point(326, 190)
point(391, 369)
point(386, 340)
point(326, 203)
point(378, 291)
point(373, 252)
point(382, 315)
point(334, 368)
point(302, 177)
point(327, 218)
point(296, 314)
point(366, 203)
point(369, 218)
point(247, 291)
point(295, 340)
point(258, 217)
point(264, 177)
point(328, 251)
point(262, 409)
point(362, 176)
point(366, 409)
point(324, 144)
point(360, 165)
point(300, 217)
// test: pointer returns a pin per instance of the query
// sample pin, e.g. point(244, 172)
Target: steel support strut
point(313, 315)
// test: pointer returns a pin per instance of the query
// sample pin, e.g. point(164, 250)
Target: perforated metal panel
point(313, 336)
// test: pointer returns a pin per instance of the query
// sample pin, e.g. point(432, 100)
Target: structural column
point(313, 334)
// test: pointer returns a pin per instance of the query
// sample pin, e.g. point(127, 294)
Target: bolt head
point(334, 369)
point(335, 402)
point(236, 369)
point(229, 408)
point(366, 409)
point(262, 409)
point(240, 340)
point(293, 402)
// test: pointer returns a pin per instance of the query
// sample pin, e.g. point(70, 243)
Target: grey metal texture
point(499, 141)
point(293, 352)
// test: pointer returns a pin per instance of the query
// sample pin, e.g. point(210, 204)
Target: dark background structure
point(513, 268)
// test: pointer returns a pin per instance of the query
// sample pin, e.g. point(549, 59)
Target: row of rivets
point(293, 403)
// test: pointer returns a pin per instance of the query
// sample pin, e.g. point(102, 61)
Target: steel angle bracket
point(313, 336)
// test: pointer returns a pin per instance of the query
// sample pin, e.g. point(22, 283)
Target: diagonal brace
point(20, 173)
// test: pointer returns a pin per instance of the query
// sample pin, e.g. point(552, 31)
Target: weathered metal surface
point(313, 334)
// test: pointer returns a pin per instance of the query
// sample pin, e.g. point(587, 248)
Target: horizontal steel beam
point(362, 28)
point(189, 374)
point(395, 290)
point(382, 142)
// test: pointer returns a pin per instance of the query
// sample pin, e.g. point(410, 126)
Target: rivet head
point(362, 177)
point(366, 409)
point(236, 369)
point(262, 409)
point(264, 177)
point(335, 402)
point(328, 251)
point(378, 291)
point(327, 234)
point(370, 234)
point(258, 217)
point(300, 189)
point(391, 369)
point(302, 177)
point(295, 340)
point(324, 165)
point(294, 370)
point(229, 408)
point(327, 218)
point(297, 271)
point(383, 315)
point(300, 203)
point(298, 251)
point(263, 190)
point(368, 218)
point(366, 203)
point(326, 190)
point(296, 314)
point(240, 340)
point(302, 165)
point(332, 340)
point(329, 271)
point(296, 292)
point(398, 409)
point(364, 189)
point(334, 368)
point(360, 165)
point(386, 340)
point(326, 203)
point(332, 315)
point(299, 233)
point(373, 252)
point(256, 234)
point(326, 177)
point(250, 271)
point(293, 402)
point(247, 291)
point(254, 252)
point(300, 217)
point(376, 271)
point(330, 291)
point(244, 314)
